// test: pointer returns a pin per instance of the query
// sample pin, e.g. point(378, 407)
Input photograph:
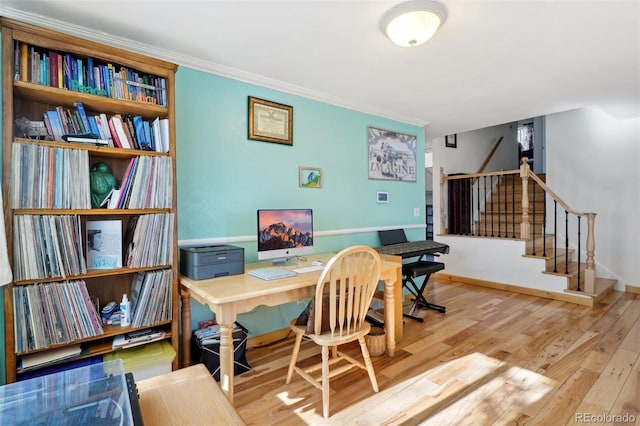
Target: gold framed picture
point(270, 121)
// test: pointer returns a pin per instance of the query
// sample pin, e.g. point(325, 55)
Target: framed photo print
point(392, 155)
point(270, 121)
point(451, 141)
point(310, 177)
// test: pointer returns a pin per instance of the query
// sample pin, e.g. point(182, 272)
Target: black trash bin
point(205, 348)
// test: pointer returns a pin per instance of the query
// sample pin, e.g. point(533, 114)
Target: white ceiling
point(492, 62)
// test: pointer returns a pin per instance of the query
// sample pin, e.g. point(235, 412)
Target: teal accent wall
point(223, 177)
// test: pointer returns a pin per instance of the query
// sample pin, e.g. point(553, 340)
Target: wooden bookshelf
point(30, 100)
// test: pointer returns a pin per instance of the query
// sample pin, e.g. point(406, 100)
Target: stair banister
point(590, 265)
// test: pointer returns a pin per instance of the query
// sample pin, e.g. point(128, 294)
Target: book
point(142, 136)
point(88, 138)
point(83, 116)
point(114, 134)
point(164, 134)
point(118, 125)
point(50, 356)
point(104, 244)
point(114, 198)
point(56, 125)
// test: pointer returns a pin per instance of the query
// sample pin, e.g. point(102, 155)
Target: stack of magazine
point(137, 338)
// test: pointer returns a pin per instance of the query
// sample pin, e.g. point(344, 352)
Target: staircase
point(502, 215)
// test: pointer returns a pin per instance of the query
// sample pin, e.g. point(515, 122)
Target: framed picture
point(392, 155)
point(382, 197)
point(309, 177)
point(270, 121)
point(451, 141)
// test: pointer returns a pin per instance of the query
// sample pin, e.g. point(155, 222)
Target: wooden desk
point(229, 296)
point(189, 396)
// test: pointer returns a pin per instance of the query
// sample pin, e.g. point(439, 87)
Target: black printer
point(200, 263)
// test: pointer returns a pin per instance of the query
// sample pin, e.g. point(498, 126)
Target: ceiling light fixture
point(414, 22)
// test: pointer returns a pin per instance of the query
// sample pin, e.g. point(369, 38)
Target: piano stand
point(418, 269)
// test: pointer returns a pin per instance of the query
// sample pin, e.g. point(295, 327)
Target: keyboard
point(306, 269)
point(271, 273)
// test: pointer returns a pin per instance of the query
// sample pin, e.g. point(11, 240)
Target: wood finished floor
point(495, 358)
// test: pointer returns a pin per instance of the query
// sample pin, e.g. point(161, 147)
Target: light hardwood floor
point(494, 358)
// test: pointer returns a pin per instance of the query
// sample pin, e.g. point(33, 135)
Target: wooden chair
point(337, 316)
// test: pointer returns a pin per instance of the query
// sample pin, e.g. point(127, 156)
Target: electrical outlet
point(416, 211)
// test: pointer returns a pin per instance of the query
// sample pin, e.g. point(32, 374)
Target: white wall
point(593, 164)
point(473, 148)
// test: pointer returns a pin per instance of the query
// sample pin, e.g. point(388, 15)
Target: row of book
point(47, 246)
point(149, 240)
point(151, 297)
point(116, 131)
point(53, 314)
point(38, 65)
point(147, 183)
point(45, 177)
point(50, 246)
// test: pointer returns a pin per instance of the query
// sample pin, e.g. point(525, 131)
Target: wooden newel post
point(590, 271)
point(442, 181)
point(525, 227)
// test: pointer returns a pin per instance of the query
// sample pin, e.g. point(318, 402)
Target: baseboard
point(564, 297)
point(267, 338)
point(632, 289)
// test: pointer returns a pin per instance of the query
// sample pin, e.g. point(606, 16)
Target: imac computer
point(284, 233)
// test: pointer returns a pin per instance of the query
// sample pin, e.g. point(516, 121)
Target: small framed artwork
point(270, 121)
point(451, 141)
point(310, 177)
point(382, 197)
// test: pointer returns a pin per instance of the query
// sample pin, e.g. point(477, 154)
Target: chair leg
point(368, 363)
point(325, 382)
point(294, 357)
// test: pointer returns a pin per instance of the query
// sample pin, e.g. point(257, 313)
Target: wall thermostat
point(382, 197)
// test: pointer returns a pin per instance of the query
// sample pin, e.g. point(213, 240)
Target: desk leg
point(226, 317)
point(389, 316)
point(398, 305)
point(186, 327)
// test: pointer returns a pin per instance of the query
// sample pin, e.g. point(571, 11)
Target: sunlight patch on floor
point(448, 394)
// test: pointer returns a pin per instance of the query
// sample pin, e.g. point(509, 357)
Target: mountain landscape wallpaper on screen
point(279, 235)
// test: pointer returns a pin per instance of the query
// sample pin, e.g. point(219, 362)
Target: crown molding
point(199, 64)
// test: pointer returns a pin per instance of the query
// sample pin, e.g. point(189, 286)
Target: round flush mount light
point(414, 22)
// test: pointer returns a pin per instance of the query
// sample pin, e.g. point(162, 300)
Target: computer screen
point(284, 233)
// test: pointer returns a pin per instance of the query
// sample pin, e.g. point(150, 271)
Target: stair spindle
point(555, 236)
point(499, 208)
point(471, 224)
point(492, 209)
point(566, 242)
point(544, 227)
point(484, 178)
point(513, 205)
point(477, 228)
